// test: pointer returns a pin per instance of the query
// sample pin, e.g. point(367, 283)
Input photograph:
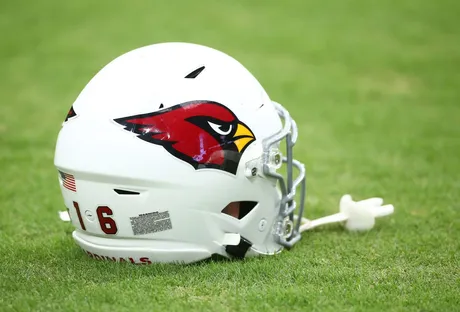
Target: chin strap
point(358, 216)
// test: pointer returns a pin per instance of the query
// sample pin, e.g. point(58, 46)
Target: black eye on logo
point(222, 129)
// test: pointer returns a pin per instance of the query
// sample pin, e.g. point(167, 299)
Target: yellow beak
point(243, 137)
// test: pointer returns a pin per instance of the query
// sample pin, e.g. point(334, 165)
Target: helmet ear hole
point(239, 209)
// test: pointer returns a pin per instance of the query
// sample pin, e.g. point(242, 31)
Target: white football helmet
point(171, 154)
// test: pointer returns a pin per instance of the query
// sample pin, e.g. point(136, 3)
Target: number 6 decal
point(108, 225)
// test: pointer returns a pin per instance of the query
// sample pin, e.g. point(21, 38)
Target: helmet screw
point(262, 225)
point(89, 215)
point(277, 159)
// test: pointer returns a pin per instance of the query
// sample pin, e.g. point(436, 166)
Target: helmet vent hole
point(195, 73)
point(125, 192)
point(240, 209)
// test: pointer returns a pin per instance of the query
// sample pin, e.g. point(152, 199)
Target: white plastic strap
point(358, 216)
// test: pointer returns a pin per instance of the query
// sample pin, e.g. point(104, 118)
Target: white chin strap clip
point(64, 216)
point(358, 216)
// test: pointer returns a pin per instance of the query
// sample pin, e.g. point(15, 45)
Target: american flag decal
point(68, 181)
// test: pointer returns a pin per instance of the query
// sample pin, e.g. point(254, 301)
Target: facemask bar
point(287, 232)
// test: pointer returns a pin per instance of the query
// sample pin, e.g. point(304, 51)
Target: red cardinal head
point(203, 133)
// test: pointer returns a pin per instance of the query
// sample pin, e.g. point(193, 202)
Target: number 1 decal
point(108, 225)
point(77, 208)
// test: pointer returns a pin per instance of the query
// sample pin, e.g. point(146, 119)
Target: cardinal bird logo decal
point(204, 134)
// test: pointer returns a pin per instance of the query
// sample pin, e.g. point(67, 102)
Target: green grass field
point(375, 89)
